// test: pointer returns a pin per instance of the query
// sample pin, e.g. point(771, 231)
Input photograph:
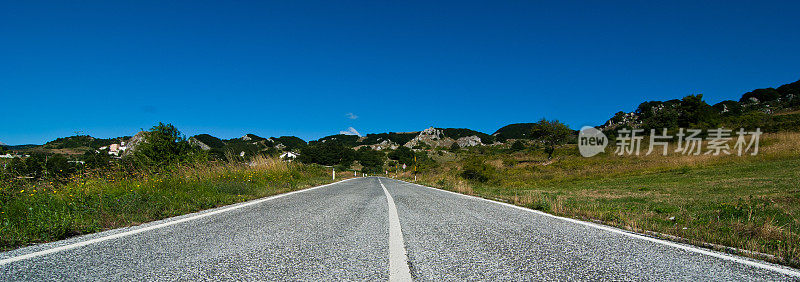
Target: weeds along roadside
point(750, 203)
point(48, 210)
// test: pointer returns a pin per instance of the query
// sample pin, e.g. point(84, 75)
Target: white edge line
point(398, 259)
point(157, 226)
point(779, 269)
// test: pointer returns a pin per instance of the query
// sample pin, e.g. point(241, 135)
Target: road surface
point(375, 229)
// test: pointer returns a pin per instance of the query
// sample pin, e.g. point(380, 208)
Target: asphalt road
point(375, 229)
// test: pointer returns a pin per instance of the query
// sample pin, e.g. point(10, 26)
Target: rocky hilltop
point(436, 137)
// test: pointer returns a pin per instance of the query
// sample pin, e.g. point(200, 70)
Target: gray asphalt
point(340, 232)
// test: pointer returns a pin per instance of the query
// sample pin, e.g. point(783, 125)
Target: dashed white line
point(157, 226)
point(398, 259)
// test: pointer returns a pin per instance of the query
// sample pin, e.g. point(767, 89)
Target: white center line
point(398, 261)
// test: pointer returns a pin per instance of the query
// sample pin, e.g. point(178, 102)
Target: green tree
point(327, 153)
point(664, 118)
point(33, 166)
point(96, 159)
point(694, 112)
point(728, 108)
point(58, 167)
point(371, 160)
point(164, 145)
point(552, 133)
point(517, 146)
point(403, 155)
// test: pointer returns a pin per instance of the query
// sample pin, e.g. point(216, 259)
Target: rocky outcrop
point(469, 141)
point(198, 143)
point(133, 142)
point(431, 136)
point(383, 145)
point(435, 137)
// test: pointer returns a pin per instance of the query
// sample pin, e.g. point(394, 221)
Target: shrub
point(371, 160)
point(58, 167)
point(327, 153)
point(96, 159)
point(164, 145)
point(517, 146)
point(477, 169)
point(403, 155)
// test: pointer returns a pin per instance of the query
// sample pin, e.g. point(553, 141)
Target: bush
point(477, 169)
point(164, 145)
point(96, 159)
point(33, 166)
point(58, 167)
point(371, 160)
point(327, 153)
point(517, 146)
point(402, 155)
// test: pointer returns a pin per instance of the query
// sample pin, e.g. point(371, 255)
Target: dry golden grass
point(747, 202)
point(263, 163)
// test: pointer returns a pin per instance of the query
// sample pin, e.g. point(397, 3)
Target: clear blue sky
point(109, 68)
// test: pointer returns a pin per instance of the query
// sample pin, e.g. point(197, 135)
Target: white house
point(115, 149)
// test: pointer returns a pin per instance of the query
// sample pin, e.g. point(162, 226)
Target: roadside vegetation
point(47, 198)
point(71, 186)
point(749, 202)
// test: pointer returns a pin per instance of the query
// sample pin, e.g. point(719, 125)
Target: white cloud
point(350, 131)
point(351, 116)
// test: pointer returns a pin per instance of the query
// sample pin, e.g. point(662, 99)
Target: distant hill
point(206, 141)
point(344, 139)
point(78, 141)
point(393, 137)
point(289, 142)
point(249, 144)
point(20, 147)
point(70, 145)
point(431, 137)
point(457, 133)
point(515, 131)
point(769, 109)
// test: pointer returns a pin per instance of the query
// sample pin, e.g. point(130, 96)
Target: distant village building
point(11, 156)
point(115, 149)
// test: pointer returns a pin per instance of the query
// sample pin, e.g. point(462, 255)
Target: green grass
point(42, 212)
point(750, 203)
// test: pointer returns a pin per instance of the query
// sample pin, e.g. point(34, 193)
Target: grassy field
point(749, 202)
point(42, 212)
